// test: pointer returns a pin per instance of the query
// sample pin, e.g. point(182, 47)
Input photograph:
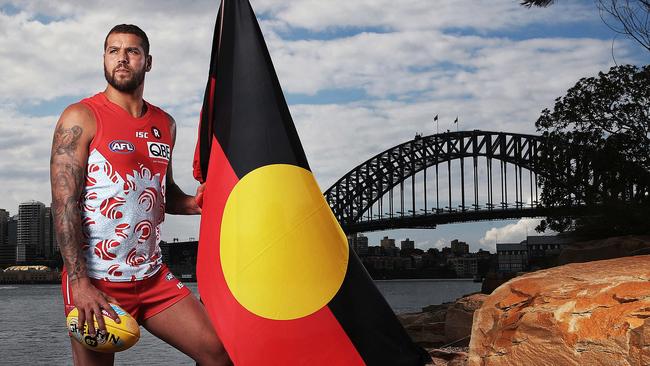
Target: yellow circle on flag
point(283, 253)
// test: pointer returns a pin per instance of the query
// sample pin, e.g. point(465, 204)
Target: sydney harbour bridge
point(444, 178)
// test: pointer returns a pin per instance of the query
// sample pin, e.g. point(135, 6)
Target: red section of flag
point(314, 340)
point(196, 163)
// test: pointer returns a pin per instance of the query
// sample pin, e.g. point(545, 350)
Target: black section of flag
point(251, 119)
point(370, 323)
point(206, 127)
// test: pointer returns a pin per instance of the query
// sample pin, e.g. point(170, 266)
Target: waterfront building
point(387, 263)
point(465, 266)
point(31, 218)
point(8, 251)
point(12, 230)
point(387, 243)
point(359, 243)
point(8, 227)
point(545, 246)
point(180, 257)
point(417, 261)
point(4, 227)
point(374, 251)
point(512, 257)
point(29, 274)
point(50, 247)
point(407, 244)
point(533, 253)
point(459, 248)
point(446, 252)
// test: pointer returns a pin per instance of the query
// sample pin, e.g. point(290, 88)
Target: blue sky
point(359, 78)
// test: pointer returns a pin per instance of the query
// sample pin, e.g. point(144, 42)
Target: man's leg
point(186, 326)
point(85, 357)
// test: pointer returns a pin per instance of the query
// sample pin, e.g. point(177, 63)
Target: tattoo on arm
point(66, 140)
point(67, 178)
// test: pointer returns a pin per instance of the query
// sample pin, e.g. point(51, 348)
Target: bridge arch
point(356, 192)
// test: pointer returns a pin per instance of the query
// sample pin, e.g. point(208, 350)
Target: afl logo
point(121, 146)
point(159, 150)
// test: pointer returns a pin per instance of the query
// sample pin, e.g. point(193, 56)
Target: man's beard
point(125, 85)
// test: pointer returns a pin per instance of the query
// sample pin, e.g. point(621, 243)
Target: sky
point(359, 77)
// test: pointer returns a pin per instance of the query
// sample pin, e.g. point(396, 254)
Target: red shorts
point(142, 299)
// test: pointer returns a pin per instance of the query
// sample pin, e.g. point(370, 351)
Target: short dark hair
point(130, 29)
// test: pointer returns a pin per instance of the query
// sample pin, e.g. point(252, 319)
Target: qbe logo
point(159, 150)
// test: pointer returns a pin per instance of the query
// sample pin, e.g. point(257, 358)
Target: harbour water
point(33, 332)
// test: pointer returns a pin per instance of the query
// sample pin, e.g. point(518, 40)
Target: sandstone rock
point(439, 311)
point(616, 247)
point(425, 329)
point(593, 313)
point(458, 322)
point(441, 324)
point(448, 357)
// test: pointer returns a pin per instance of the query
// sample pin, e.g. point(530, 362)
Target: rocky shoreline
point(444, 330)
point(595, 313)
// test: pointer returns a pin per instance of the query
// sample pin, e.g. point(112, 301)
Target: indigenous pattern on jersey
point(123, 203)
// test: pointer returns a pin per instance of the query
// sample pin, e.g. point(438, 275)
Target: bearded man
point(112, 183)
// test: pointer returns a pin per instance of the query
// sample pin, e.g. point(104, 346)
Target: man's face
point(125, 62)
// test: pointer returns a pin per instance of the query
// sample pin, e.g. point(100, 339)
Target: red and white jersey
point(123, 203)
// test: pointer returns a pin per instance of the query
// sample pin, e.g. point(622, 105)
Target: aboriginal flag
point(274, 268)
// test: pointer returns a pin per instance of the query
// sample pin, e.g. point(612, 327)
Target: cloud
point(24, 167)
point(392, 65)
point(318, 15)
point(441, 243)
point(511, 233)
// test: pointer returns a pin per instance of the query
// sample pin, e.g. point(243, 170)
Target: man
point(112, 182)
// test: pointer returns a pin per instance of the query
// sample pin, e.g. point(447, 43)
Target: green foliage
point(597, 153)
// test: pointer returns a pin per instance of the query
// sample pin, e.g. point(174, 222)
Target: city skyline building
point(7, 245)
point(407, 244)
point(12, 230)
point(387, 243)
point(529, 254)
point(4, 227)
point(459, 247)
point(31, 217)
point(50, 247)
point(8, 252)
point(465, 266)
point(513, 257)
point(359, 243)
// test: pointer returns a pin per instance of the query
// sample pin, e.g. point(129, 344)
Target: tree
point(597, 153)
point(627, 17)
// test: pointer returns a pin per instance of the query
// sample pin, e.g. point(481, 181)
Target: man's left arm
point(176, 201)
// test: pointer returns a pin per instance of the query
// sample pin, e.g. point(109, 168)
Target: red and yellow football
point(118, 337)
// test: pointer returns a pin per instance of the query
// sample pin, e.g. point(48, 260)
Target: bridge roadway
point(432, 219)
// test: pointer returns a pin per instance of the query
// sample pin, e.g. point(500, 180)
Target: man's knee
point(82, 356)
point(212, 352)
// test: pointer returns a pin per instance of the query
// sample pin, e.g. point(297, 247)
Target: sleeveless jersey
point(123, 202)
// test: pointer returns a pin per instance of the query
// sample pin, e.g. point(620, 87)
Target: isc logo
point(121, 146)
point(159, 150)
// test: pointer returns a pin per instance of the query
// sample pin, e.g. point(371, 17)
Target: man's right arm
point(67, 174)
point(72, 136)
